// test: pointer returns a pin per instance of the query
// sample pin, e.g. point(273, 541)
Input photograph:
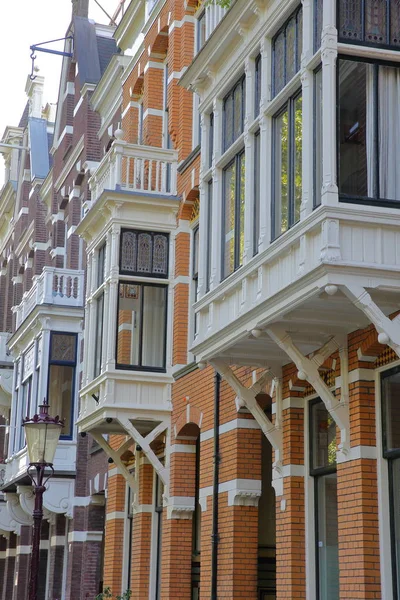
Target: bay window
point(142, 306)
point(99, 304)
point(233, 113)
point(323, 469)
point(317, 136)
point(233, 214)
point(61, 381)
point(390, 394)
point(287, 166)
point(371, 22)
point(369, 122)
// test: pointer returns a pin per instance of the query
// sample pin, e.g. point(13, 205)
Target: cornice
point(111, 75)
point(130, 24)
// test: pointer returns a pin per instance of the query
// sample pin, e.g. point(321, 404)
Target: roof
point(24, 118)
point(92, 52)
point(39, 144)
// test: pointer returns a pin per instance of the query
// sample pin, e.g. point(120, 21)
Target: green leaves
point(107, 595)
point(223, 3)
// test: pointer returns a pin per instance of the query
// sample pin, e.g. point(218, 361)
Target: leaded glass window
point(287, 48)
point(234, 111)
point(258, 82)
point(233, 215)
point(63, 347)
point(317, 24)
point(61, 380)
point(144, 253)
point(373, 22)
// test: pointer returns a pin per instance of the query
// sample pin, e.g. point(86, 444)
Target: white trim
point(44, 545)
point(57, 540)
point(239, 492)
point(24, 211)
point(11, 552)
point(69, 90)
point(24, 549)
point(114, 472)
point(68, 130)
point(72, 159)
point(357, 453)
point(78, 105)
point(151, 64)
point(230, 426)
point(185, 279)
point(289, 403)
point(71, 230)
point(176, 74)
point(182, 448)
point(117, 514)
point(143, 508)
point(179, 24)
point(85, 536)
point(41, 245)
point(155, 112)
point(180, 507)
point(131, 104)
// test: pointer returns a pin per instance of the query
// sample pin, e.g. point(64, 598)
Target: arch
point(189, 422)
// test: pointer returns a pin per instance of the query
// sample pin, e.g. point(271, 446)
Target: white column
point(90, 338)
point(308, 113)
point(249, 163)
point(44, 367)
point(113, 298)
point(265, 148)
point(329, 53)
point(85, 374)
point(107, 316)
point(216, 228)
point(203, 217)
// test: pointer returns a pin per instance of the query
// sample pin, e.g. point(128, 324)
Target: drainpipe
point(217, 458)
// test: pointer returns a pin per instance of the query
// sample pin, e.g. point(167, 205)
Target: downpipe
point(217, 459)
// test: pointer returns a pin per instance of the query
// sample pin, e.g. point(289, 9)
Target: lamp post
point(42, 433)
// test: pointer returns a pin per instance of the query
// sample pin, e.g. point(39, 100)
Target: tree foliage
point(223, 3)
point(107, 595)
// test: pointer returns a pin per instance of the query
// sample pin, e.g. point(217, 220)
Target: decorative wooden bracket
point(308, 370)
point(248, 397)
point(116, 456)
point(388, 330)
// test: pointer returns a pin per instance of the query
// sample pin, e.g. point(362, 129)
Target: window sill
point(366, 201)
point(140, 369)
point(229, 154)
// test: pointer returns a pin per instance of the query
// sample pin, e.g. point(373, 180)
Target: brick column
point(92, 549)
point(9, 571)
point(3, 548)
point(153, 82)
point(178, 525)
point(22, 562)
point(56, 556)
point(358, 500)
point(114, 532)
point(290, 500)
point(141, 540)
point(44, 554)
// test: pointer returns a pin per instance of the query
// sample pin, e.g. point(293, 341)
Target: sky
point(22, 24)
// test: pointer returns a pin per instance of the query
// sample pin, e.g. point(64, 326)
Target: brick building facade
point(228, 196)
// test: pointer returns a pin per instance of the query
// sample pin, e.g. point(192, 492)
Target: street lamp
point(42, 433)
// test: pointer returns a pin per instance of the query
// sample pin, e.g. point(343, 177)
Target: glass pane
point(195, 252)
point(209, 233)
point(101, 265)
point(395, 22)
point(154, 320)
point(298, 145)
point(211, 140)
point(389, 133)
point(128, 251)
point(391, 411)
point(281, 199)
point(63, 347)
point(375, 21)
point(279, 63)
point(257, 99)
point(144, 253)
point(98, 349)
point(291, 49)
point(256, 224)
point(327, 540)
point(160, 255)
point(299, 39)
point(350, 24)
point(242, 174)
point(201, 31)
point(129, 324)
point(318, 137)
point(318, 24)
point(237, 112)
point(323, 437)
point(356, 135)
point(229, 221)
point(228, 121)
point(61, 386)
point(395, 529)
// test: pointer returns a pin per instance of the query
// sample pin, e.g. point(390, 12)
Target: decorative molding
point(180, 507)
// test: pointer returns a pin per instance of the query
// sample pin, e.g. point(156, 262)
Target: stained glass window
point(233, 117)
point(63, 347)
point(233, 209)
point(317, 24)
point(287, 48)
point(144, 253)
point(373, 22)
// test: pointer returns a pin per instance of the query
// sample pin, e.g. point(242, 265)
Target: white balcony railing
point(62, 287)
point(213, 15)
point(135, 168)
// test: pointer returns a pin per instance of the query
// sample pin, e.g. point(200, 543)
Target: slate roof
point(24, 118)
point(92, 52)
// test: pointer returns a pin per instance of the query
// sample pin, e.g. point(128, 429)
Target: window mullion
point(140, 357)
point(291, 159)
point(376, 132)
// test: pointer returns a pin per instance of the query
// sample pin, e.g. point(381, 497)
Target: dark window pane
point(61, 388)
point(299, 39)
point(395, 22)
point(211, 140)
point(256, 224)
point(350, 24)
point(323, 437)
point(395, 529)
point(101, 265)
point(237, 111)
point(228, 122)
point(63, 347)
point(196, 253)
point(201, 31)
point(129, 324)
point(258, 82)
point(318, 137)
point(160, 255)
point(327, 540)
point(375, 21)
point(144, 253)
point(391, 411)
point(318, 24)
point(389, 127)
point(209, 233)
point(98, 349)
point(279, 63)
point(229, 220)
point(356, 135)
point(281, 173)
point(154, 318)
point(298, 145)
point(291, 49)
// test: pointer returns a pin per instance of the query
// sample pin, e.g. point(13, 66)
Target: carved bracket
point(248, 397)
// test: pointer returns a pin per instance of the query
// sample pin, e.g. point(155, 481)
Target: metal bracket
point(388, 330)
point(37, 48)
point(308, 370)
point(248, 396)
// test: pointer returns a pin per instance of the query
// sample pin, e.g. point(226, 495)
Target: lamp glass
point(42, 440)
